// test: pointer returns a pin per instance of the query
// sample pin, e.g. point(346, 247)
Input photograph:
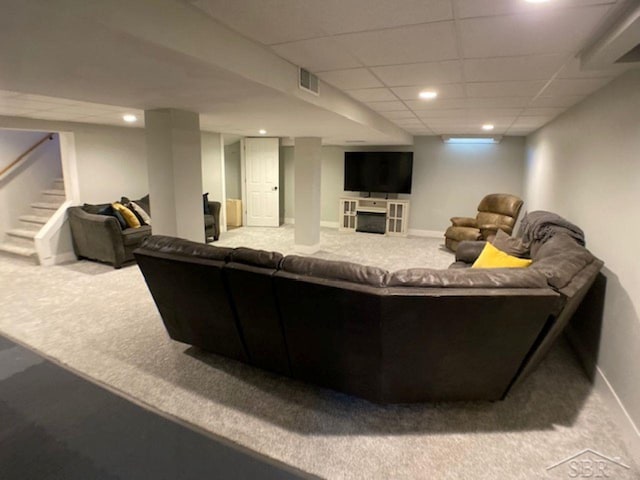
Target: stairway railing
point(15, 163)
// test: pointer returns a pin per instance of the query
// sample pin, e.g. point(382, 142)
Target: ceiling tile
point(558, 31)
point(387, 106)
point(505, 89)
point(532, 122)
point(482, 8)
point(575, 86)
point(412, 44)
point(529, 67)
point(493, 113)
point(561, 101)
point(399, 115)
point(439, 103)
point(339, 16)
point(317, 54)
point(453, 130)
point(451, 90)
point(350, 78)
point(372, 94)
point(498, 102)
point(443, 113)
point(520, 131)
point(420, 73)
point(550, 112)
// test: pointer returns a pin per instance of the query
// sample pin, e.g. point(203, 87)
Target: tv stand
point(396, 214)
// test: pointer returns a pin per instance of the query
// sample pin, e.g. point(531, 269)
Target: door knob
point(275, 188)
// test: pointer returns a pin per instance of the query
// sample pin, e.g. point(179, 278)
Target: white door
point(262, 165)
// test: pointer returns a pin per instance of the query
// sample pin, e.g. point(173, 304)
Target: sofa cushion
point(95, 209)
point(469, 250)
point(334, 270)
point(186, 248)
point(109, 211)
point(128, 215)
point(510, 245)
point(462, 233)
point(560, 258)
point(139, 211)
point(468, 278)
point(491, 257)
point(257, 258)
point(135, 236)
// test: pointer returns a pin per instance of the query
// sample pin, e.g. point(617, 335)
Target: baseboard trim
point(60, 258)
point(323, 223)
point(416, 232)
point(628, 429)
point(307, 249)
point(328, 224)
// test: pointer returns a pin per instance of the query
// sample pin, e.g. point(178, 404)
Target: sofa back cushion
point(560, 259)
point(257, 258)
point(334, 270)
point(467, 278)
point(186, 248)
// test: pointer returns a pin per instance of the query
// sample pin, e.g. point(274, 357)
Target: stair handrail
point(13, 164)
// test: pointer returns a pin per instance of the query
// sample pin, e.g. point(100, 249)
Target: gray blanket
point(541, 226)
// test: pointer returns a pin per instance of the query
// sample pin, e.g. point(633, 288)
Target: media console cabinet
point(374, 215)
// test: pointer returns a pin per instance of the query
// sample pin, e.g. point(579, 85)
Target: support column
point(308, 168)
point(175, 173)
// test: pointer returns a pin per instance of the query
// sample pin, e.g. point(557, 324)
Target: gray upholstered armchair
point(497, 211)
point(102, 238)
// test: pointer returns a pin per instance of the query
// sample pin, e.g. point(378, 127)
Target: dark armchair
point(497, 211)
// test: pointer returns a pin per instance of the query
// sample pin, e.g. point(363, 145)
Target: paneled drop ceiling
point(506, 62)
point(509, 63)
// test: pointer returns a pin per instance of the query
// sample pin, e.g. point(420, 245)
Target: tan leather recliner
point(496, 211)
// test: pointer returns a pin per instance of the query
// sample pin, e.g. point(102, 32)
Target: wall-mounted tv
point(383, 172)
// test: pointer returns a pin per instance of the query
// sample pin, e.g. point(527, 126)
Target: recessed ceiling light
point(262, 131)
point(129, 118)
point(487, 126)
point(428, 94)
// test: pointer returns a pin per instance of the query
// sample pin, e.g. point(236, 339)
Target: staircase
point(21, 239)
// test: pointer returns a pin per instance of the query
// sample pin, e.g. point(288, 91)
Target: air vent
point(308, 82)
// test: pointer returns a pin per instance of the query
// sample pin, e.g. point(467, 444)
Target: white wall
point(448, 180)
point(24, 184)
point(232, 170)
point(585, 165)
point(111, 161)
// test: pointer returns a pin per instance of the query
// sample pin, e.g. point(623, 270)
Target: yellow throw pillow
point(491, 257)
point(127, 214)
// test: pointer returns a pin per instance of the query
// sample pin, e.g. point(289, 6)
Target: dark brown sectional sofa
point(407, 336)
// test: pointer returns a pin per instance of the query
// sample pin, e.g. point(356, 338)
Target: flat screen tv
point(380, 172)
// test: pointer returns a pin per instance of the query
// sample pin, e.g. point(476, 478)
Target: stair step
point(18, 250)
point(58, 183)
point(54, 192)
point(22, 233)
point(35, 219)
point(46, 205)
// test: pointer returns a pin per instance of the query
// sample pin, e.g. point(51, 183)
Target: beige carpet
point(103, 323)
